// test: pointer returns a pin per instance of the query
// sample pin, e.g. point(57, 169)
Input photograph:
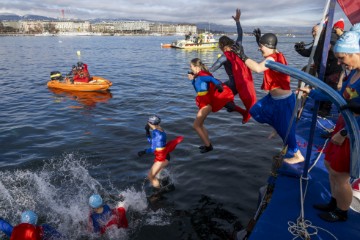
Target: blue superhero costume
point(6, 227)
point(157, 140)
point(159, 147)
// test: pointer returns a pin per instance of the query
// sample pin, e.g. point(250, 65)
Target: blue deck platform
point(285, 207)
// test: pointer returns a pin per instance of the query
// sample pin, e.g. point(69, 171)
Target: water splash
point(58, 191)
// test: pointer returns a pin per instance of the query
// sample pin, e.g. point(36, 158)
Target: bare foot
point(298, 157)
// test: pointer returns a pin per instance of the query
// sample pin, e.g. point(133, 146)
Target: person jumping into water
point(277, 107)
point(212, 95)
point(102, 216)
point(159, 147)
point(240, 77)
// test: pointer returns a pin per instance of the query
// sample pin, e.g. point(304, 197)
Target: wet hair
point(225, 41)
point(197, 63)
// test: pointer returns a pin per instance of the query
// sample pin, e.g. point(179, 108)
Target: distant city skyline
point(254, 12)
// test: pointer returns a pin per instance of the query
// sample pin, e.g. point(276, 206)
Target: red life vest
point(273, 79)
point(82, 75)
point(26, 231)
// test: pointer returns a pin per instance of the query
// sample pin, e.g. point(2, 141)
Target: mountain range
point(202, 25)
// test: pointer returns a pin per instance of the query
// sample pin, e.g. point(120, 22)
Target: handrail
point(335, 98)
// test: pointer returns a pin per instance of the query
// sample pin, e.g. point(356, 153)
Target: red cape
point(218, 100)
point(243, 80)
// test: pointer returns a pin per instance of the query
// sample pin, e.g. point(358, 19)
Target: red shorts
point(338, 156)
point(203, 101)
point(160, 155)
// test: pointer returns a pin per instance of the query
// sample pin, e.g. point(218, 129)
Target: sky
point(253, 12)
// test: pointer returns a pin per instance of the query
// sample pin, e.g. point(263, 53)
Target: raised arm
point(238, 26)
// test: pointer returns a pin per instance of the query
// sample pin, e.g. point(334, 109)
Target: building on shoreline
point(79, 26)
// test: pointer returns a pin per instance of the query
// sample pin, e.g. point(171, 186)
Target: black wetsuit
point(222, 61)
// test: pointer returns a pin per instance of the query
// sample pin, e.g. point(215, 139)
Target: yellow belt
point(159, 149)
point(202, 93)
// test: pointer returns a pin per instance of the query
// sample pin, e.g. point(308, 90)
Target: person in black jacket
point(333, 70)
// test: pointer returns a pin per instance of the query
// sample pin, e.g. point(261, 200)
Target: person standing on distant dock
point(240, 77)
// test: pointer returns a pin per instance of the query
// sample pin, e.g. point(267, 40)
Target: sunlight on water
point(58, 192)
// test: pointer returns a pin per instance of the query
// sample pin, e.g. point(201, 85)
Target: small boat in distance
point(201, 41)
point(96, 84)
point(165, 45)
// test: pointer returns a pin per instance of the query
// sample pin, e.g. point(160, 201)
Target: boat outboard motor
point(56, 75)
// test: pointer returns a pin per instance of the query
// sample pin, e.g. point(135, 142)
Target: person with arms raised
point(240, 78)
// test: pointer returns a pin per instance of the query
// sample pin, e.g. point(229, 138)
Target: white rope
point(304, 229)
point(318, 157)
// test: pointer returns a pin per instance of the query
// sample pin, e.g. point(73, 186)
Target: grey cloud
point(261, 12)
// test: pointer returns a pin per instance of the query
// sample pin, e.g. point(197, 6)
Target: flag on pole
point(351, 9)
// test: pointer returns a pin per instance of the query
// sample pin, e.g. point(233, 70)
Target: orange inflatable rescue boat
point(96, 84)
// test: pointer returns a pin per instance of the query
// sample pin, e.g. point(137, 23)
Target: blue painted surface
point(285, 207)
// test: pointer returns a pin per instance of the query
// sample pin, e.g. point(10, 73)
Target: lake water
point(57, 148)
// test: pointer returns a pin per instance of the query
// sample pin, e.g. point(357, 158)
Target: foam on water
point(58, 192)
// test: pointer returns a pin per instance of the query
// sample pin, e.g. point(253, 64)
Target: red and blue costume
point(109, 217)
point(277, 111)
point(159, 147)
point(339, 155)
point(205, 86)
point(26, 231)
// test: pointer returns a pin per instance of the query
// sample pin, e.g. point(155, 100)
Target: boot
point(328, 207)
point(206, 149)
point(337, 215)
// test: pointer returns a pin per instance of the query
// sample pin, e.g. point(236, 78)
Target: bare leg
point(342, 189)
point(155, 169)
point(199, 124)
point(331, 178)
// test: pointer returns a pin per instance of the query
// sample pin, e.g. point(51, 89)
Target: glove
point(299, 46)
point(239, 51)
point(147, 129)
point(140, 153)
point(257, 34)
point(219, 87)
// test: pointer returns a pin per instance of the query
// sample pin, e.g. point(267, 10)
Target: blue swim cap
point(154, 120)
point(355, 28)
point(95, 201)
point(29, 217)
point(348, 43)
